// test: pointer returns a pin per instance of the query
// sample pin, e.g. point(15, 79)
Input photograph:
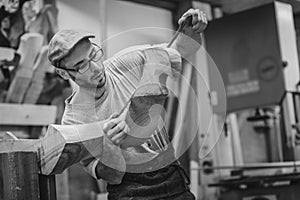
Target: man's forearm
point(194, 22)
point(187, 45)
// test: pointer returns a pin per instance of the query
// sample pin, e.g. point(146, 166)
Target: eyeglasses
point(95, 55)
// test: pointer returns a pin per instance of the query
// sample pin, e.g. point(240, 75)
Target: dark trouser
point(167, 183)
point(187, 195)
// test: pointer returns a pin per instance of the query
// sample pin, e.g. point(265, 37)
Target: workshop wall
point(122, 17)
point(125, 27)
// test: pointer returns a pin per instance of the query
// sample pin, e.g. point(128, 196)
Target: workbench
point(283, 186)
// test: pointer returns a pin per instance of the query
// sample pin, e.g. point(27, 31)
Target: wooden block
point(78, 141)
point(33, 92)
point(25, 114)
point(65, 145)
point(28, 49)
point(17, 89)
point(19, 174)
point(42, 65)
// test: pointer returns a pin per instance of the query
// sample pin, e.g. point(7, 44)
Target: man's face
point(91, 73)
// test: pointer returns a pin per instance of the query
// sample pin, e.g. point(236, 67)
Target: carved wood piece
point(64, 145)
point(29, 47)
point(26, 115)
point(19, 176)
point(42, 65)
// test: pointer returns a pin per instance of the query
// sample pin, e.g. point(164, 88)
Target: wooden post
point(47, 187)
point(19, 168)
point(103, 26)
point(19, 176)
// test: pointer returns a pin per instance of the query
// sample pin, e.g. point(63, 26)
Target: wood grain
point(19, 170)
point(26, 114)
point(30, 45)
point(36, 85)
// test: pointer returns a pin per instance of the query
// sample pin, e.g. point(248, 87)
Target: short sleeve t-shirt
point(122, 72)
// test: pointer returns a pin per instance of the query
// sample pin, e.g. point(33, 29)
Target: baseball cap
point(63, 41)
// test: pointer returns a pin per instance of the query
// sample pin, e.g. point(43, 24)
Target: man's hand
point(116, 129)
point(199, 21)
point(189, 42)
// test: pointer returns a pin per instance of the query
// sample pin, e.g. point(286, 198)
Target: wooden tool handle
point(187, 21)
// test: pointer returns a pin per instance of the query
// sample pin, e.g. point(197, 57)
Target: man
point(103, 90)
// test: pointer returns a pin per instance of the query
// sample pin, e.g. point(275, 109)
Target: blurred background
point(241, 97)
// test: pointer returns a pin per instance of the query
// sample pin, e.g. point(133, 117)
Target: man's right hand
point(116, 129)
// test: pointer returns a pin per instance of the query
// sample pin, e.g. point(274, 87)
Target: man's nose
point(96, 67)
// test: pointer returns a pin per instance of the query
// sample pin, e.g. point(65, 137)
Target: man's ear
point(63, 73)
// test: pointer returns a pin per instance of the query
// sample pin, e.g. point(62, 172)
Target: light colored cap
point(62, 42)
